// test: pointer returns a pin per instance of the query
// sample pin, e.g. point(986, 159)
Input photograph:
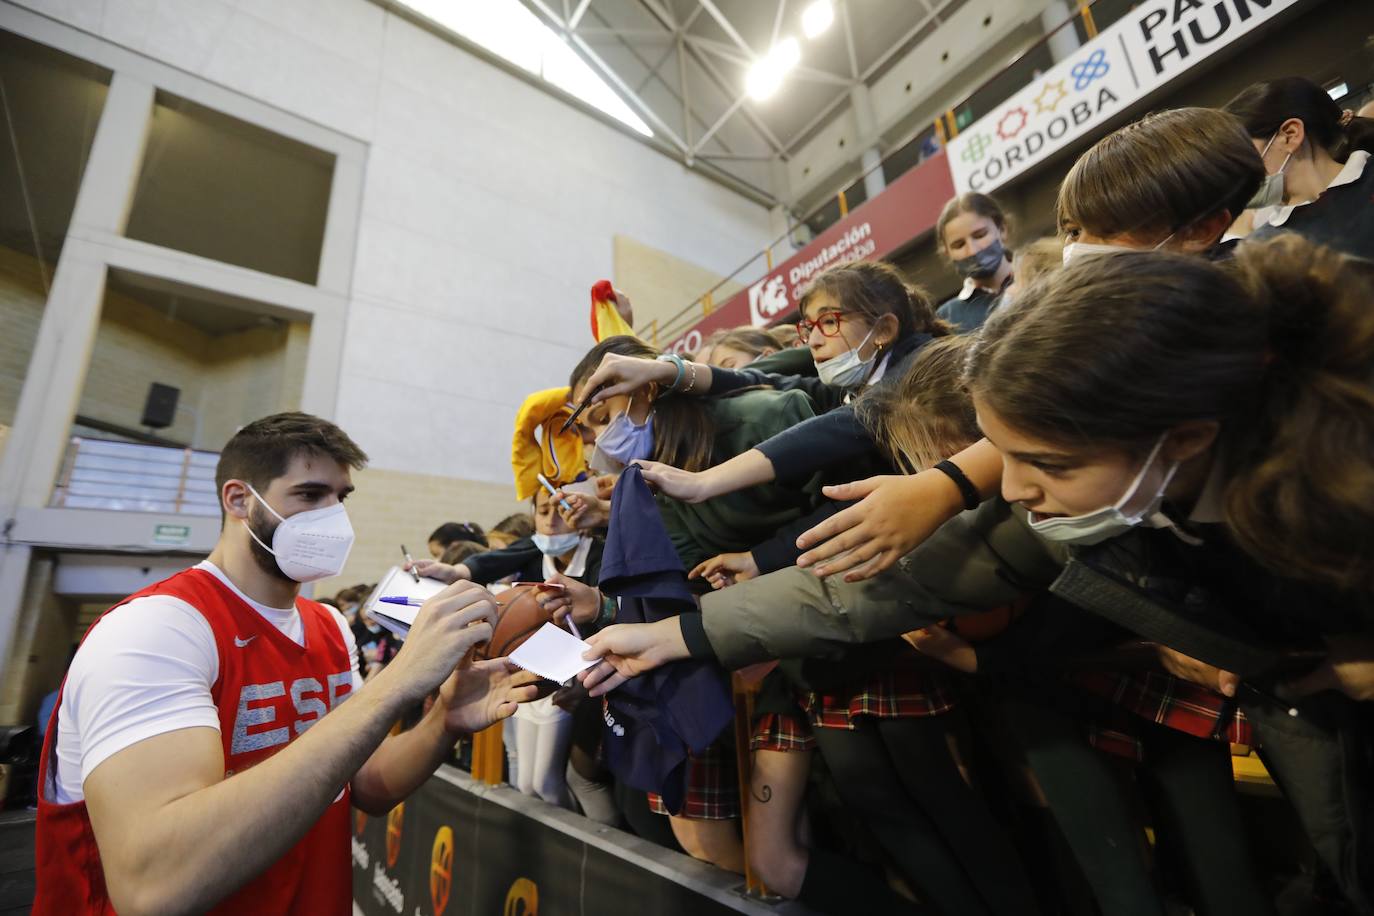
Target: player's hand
point(894, 515)
point(482, 693)
point(433, 569)
point(726, 569)
point(447, 626)
point(630, 649)
point(581, 601)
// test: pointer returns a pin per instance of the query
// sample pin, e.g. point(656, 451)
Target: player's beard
point(265, 560)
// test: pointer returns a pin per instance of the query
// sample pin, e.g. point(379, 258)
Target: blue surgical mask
point(1110, 521)
point(848, 369)
point(556, 545)
point(625, 442)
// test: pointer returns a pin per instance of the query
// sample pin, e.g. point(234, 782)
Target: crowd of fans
point(1012, 577)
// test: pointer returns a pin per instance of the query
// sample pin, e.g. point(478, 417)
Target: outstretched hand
point(627, 650)
point(894, 515)
point(619, 374)
point(675, 483)
point(726, 569)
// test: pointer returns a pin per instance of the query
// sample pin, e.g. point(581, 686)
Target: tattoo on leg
point(763, 795)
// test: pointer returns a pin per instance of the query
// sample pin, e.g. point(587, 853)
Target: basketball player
point(191, 765)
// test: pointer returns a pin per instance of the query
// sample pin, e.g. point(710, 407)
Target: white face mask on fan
point(309, 545)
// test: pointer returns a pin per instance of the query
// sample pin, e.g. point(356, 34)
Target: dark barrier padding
point(456, 848)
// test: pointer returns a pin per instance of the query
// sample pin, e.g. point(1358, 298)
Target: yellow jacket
point(538, 447)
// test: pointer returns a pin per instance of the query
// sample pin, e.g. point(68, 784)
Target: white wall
point(489, 209)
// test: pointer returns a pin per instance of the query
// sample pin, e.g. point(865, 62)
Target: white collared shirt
point(577, 566)
point(1350, 173)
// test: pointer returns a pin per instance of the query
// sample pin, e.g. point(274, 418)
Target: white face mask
point(1109, 521)
point(556, 545)
point(1075, 250)
point(603, 463)
point(847, 369)
point(309, 545)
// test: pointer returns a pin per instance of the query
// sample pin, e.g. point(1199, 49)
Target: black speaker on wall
point(161, 407)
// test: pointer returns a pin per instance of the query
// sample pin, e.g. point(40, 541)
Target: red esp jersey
point(269, 691)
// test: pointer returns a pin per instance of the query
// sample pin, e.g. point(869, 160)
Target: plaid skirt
point(1162, 699)
point(907, 690)
point(782, 731)
point(712, 787)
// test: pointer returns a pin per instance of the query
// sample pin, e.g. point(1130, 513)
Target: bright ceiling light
point(817, 17)
point(1339, 91)
point(765, 77)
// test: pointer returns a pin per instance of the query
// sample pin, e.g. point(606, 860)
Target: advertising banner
point(448, 851)
point(908, 207)
point(1155, 43)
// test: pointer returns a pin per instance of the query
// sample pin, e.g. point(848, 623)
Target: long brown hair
point(977, 204)
point(1277, 348)
point(875, 289)
point(684, 432)
point(1263, 107)
point(1160, 174)
point(927, 415)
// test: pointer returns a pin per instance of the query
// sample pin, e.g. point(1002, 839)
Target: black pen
point(411, 561)
point(586, 402)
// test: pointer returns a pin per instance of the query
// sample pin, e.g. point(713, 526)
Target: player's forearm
point(196, 850)
point(403, 763)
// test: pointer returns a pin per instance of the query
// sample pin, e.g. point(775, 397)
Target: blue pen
point(552, 492)
point(401, 599)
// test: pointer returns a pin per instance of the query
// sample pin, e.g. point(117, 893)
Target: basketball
point(519, 616)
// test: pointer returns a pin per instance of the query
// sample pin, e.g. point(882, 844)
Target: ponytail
point(1263, 107)
point(1301, 497)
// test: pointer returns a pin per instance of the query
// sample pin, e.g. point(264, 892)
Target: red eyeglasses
point(829, 324)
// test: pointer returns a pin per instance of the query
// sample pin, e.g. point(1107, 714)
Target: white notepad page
point(397, 583)
point(552, 653)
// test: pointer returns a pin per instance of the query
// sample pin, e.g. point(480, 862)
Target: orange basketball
point(519, 616)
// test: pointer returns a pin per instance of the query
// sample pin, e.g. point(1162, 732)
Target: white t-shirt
point(147, 670)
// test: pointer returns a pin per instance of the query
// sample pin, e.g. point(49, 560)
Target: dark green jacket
point(737, 521)
point(981, 559)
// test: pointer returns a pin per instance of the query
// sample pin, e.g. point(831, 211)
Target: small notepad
point(398, 618)
point(552, 653)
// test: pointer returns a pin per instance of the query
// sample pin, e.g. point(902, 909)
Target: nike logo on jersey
point(243, 642)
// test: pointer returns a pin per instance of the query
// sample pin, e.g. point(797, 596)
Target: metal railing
point(128, 476)
point(1086, 22)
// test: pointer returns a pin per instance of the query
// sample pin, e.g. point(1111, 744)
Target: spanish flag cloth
point(539, 448)
point(611, 311)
